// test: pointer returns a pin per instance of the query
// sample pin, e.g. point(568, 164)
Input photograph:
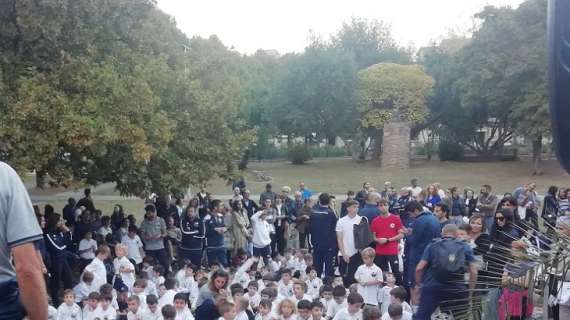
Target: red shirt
point(386, 227)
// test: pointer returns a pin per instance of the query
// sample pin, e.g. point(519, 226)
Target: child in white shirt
point(139, 291)
point(123, 267)
point(68, 309)
point(135, 311)
point(353, 311)
point(90, 305)
point(398, 295)
point(314, 283)
point(384, 294)
point(338, 302)
point(134, 245)
point(152, 311)
point(285, 285)
point(326, 297)
point(241, 305)
point(395, 311)
point(369, 278)
point(87, 248)
point(105, 310)
point(83, 288)
point(252, 295)
point(264, 310)
point(182, 310)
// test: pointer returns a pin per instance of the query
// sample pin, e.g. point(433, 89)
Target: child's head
point(121, 250)
point(241, 304)
point(317, 309)
point(371, 313)
point(180, 301)
point(268, 293)
point(286, 275)
point(286, 308)
point(170, 284)
point(304, 309)
point(103, 252)
point(158, 270)
point(68, 297)
point(327, 291)
point(88, 235)
point(106, 221)
point(189, 270)
point(161, 290)
point(299, 289)
point(355, 302)
point(139, 286)
point(337, 281)
point(93, 299)
point(308, 260)
point(105, 301)
point(133, 303)
point(339, 292)
point(368, 256)
point(398, 295)
point(395, 311)
point(132, 231)
point(236, 291)
point(264, 307)
point(168, 312)
point(288, 253)
point(228, 310)
point(463, 232)
point(152, 302)
point(390, 279)
point(87, 277)
point(312, 272)
point(252, 288)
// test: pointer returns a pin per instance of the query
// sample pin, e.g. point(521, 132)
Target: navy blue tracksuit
point(322, 236)
point(191, 245)
point(216, 250)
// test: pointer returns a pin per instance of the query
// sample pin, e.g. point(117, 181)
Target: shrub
point(450, 151)
point(298, 154)
point(328, 151)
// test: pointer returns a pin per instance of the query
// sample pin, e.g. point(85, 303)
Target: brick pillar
point(396, 145)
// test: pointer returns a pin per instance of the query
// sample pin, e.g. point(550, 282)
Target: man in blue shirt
point(322, 235)
point(306, 192)
point(370, 209)
point(423, 228)
point(453, 294)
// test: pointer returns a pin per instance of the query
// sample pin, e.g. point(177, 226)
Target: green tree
point(391, 92)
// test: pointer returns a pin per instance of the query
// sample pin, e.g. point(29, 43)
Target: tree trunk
point(244, 160)
point(40, 179)
point(378, 145)
point(537, 155)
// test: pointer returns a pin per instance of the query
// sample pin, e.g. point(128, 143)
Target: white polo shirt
point(346, 226)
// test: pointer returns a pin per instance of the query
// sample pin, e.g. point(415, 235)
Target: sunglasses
point(500, 218)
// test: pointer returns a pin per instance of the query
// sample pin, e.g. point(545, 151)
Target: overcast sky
point(248, 25)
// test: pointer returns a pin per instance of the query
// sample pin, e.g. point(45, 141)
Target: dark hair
point(399, 293)
point(304, 304)
point(151, 299)
point(52, 221)
point(324, 199)
point(354, 298)
point(553, 190)
point(443, 208)
point(218, 274)
point(236, 288)
point(254, 284)
point(465, 227)
point(271, 292)
point(317, 304)
point(150, 208)
point(350, 193)
point(339, 291)
point(133, 228)
point(158, 269)
point(371, 313)
point(181, 296)
point(106, 297)
point(94, 295)
point(480, 217)
point(169, 283)
point(286, 271)
point(216, 203)
point(105, 219)
point(413, 206)
point(395, 310)
point(327, 288)
point(168, 312)
point(265, 303)
point(87, 192)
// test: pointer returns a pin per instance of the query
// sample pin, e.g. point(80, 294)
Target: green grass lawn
point(337, 175)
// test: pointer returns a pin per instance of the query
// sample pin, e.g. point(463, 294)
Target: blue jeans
point(324, 257)
point(491, 311)
point(489, 221)
point(217, 255)
point(447, 297)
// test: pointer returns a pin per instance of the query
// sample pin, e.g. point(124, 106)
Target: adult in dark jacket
point(322, 236)
point(370, 209)
point(456, 206)
point(193, 232)
point(470, 201)
point(69, 211)
point(57, 240)
point(362, 195)
point(215, 229)
point(86, 201)
point(424, 228)
point(117, 217)
point(550, 207)
point(268, 194)
point(248, 204)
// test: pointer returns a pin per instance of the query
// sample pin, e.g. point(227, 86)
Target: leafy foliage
point(298, 153)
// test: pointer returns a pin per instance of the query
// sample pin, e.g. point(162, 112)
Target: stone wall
point(396, 145)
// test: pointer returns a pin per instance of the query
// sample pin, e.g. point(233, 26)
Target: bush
point(298, 154)
point(450, 151)
point(328, 151)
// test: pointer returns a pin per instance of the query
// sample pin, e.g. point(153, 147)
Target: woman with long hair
point(216, 285)
point(433, 197)
point(57, 239)
point(241, 227)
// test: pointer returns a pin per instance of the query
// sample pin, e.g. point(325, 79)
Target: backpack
point(448, 262)
point(363, 237)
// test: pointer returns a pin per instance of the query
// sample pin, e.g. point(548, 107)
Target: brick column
point(396, 145)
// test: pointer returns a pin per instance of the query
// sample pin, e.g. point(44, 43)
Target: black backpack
point(448, 263)
point(363, 237)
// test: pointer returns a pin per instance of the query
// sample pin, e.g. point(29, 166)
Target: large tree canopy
point(112, 91)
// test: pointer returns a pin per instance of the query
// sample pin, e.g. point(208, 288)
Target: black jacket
point(193, 232)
